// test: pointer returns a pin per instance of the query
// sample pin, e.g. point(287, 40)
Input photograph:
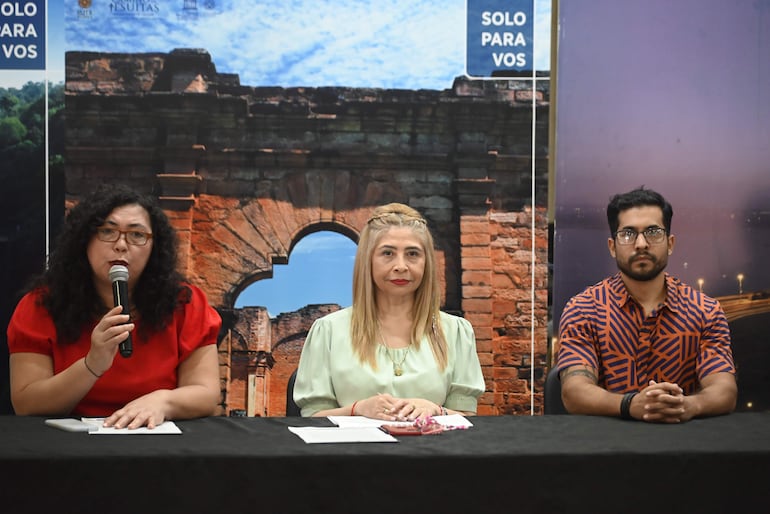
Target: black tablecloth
point(502, 464)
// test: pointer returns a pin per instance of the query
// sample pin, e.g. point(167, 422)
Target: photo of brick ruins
point(246, 172)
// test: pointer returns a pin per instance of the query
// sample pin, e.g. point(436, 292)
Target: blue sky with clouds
point(405, 44)
point(320, 270)
point(355, 43)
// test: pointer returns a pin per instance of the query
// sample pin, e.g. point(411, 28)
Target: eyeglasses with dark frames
point(653, 235)
point(133, 237)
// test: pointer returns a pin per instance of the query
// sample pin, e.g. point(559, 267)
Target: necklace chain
point(398, 369)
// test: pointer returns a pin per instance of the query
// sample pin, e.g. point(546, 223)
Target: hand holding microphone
point(119, 278)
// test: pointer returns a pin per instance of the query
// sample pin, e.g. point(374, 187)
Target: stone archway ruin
point(245, 172)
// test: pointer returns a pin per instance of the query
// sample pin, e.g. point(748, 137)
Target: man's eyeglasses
point(133, 237)
point(653, 235)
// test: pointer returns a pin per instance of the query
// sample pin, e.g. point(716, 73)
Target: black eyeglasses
point(133, 237)
point(653, 235)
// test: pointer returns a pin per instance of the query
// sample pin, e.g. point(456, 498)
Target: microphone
point(119, 278)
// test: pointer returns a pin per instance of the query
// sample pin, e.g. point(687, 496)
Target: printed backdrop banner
point(22, 35)
point(639, 105)
point(199, 101)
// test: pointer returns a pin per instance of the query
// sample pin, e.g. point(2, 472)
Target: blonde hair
point(427, 300)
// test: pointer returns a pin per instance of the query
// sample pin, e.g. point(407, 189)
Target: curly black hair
point(69, 293)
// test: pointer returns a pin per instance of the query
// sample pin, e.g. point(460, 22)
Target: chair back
point(292, 410)
point(552, 403)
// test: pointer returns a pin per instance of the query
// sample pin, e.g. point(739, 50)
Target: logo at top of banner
point(22, 35)
point(193, 9)
point(500, 38)
point(134, 8)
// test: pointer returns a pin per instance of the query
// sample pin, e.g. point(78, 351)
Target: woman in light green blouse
point(393, 354)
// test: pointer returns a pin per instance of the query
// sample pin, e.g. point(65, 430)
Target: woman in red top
point(64, 335)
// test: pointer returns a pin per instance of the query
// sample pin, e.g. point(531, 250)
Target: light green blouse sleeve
point(313, 389)
point(466, 381)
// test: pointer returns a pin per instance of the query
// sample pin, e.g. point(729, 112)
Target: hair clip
point(404, 216)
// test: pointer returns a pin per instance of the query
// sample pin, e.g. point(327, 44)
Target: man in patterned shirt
point(641, 344)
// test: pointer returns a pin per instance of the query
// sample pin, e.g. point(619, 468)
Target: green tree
point(12, 132)
point(8, 104)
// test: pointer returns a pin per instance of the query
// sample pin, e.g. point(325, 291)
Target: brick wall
point(245, 172)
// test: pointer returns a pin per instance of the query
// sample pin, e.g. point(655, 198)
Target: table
point(509, 464)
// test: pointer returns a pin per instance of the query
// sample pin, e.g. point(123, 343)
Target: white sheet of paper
point(362, 421)
point(167, 427)
point(450, 420)
point(454, 420)
point(342, 435)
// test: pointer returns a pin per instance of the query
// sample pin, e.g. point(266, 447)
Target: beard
point(653, 267)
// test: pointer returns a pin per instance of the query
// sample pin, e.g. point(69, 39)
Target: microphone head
point(118, 272)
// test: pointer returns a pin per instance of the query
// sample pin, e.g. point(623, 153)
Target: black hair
point(638, 197)
point(69, 293)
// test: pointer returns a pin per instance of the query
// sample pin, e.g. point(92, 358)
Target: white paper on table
point(342, 435)
point(450, 420)
point(362, 421)
point(454, 420)
point(167, 427)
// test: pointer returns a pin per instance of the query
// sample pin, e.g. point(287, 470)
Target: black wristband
point(625, 405)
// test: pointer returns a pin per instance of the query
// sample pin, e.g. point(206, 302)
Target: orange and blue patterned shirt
point(684, 339)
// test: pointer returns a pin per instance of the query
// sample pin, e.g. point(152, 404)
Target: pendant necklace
point(398, 370)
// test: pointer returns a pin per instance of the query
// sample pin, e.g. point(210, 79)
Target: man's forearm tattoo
point(581, 371)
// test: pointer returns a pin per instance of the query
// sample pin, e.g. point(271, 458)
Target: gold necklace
point(398, 369)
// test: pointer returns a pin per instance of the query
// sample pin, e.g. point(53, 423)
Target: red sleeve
point(201, 323)
point(31, 328)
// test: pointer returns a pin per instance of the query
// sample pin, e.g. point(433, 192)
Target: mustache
point(645, 255)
